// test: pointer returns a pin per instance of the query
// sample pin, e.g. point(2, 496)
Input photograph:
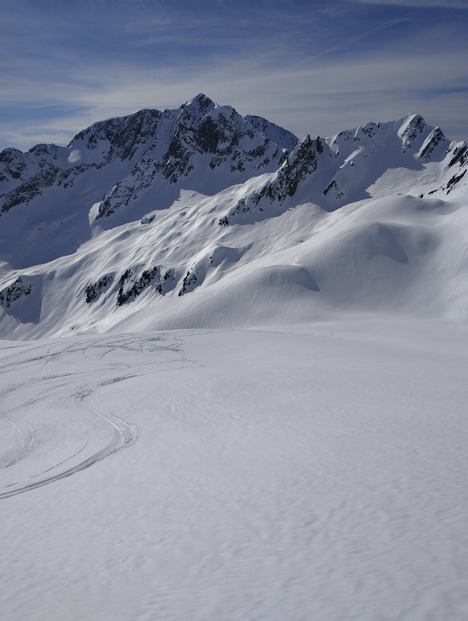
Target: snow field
point(307, 472)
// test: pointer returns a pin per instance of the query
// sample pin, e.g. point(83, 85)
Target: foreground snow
point(314, 472)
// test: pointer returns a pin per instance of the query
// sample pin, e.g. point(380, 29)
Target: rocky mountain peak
point(199, 105)
point(205, 145)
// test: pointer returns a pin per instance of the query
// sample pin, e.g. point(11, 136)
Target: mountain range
point(198, 217)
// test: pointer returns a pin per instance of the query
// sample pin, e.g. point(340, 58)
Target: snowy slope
point(198, 217)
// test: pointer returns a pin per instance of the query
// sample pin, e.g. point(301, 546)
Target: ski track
point(26, 440)
point(78, 389)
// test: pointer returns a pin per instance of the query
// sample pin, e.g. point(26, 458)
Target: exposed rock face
point(20, 288)
point(213, 144)
point(205, 145)
point(340, 169)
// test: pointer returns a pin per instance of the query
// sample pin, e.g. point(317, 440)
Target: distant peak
point(200, 102)
point(412, 124)
point(201, 97)
point(415, 118)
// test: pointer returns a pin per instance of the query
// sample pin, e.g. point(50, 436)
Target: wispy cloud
point(317, 70)
point(317, 98)
point(443, 4)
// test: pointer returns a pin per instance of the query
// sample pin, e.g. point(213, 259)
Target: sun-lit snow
point(314, 472)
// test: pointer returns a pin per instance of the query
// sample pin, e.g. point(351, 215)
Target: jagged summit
point(349, 166)
point(199, 116)
point(198, 216)
point(108, 128)
point(201, 104)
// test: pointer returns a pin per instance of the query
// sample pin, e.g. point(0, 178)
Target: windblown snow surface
point(309, 472)
point(244, 404)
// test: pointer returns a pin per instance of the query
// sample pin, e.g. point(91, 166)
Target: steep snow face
point(199, 217)
point(374, 160)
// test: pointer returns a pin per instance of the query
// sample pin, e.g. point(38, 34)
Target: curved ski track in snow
point(125, 436)
point(95, 363)
point(26, 440)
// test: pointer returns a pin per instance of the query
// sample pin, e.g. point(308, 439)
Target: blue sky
point(316, 66)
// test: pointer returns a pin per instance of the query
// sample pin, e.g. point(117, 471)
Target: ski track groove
point(26, 435)
point(60, 463)
point(124, 433)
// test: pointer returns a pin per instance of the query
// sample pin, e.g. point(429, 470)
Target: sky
point(311, 66)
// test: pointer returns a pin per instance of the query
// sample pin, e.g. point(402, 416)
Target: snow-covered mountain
point(201, 217)
point(300, 470)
